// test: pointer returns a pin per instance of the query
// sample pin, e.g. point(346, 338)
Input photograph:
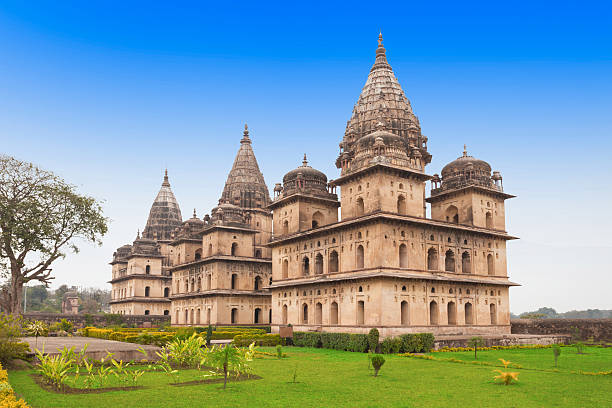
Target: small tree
point(556, 349)
point(373, 337)
point(230, 358)
point(209, 333)
point(37, 328)
point(377, 362)
point(476, 342)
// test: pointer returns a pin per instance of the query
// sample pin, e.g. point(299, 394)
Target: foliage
point(506, 377)
point(377, 362)
point(62, 325)
point(358, 343)
point(36, 329)
point(307, 339)
point(187, 352)
point(373, 339)
point(7, 397)
point(54, 367)
point(391, 345)
point(279, 351)
point(209, 333)
point(113, 319)
point(10, 346)
point(556, 352)
point(579, 347)
point(474, 343)
point(417, 342)
point(230, 358)
point(40, 217)
point(505, 362)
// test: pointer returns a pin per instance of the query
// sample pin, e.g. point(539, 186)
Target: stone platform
point(96, 349)
point(501, 340)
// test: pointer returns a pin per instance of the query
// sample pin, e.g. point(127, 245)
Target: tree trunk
point(16, 293)
point(225, 375)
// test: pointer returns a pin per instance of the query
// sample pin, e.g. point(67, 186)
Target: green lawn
point(594, 359)
point(335, 378)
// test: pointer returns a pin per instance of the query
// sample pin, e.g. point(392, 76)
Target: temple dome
point(165, 214)
point(466, 163)
point(305, 179)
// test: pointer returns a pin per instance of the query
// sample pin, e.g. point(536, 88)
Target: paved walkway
point(96, 348)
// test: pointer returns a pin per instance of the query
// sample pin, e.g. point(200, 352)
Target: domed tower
point(467, 193)
point(383, 153)
point(304, 201)
point(165, 214)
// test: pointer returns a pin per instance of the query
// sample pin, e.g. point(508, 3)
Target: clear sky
point(108, 94)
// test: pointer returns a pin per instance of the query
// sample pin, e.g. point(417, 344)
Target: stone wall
point(597, 329)
point(79, 320)
point(504, 340)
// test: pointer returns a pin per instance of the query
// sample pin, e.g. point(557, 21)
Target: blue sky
point(108, 94)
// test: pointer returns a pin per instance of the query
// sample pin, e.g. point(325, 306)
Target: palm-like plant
point(476, 342)
point(506, 377)
point(54, 368)
point(37, 328)
point(505, 363)
point(230, 358)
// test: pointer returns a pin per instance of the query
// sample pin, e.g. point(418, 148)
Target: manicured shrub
point(243, 340)
point(377, 362)
point(373, 339)
point(307, 339)
point(358, 343)
point(335, 341)
point(391, 345)
point(417, 342)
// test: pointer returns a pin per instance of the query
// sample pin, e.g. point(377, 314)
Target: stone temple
point(307, 258)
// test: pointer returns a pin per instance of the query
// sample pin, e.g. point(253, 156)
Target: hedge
point(243, 340)
point(161, 338)
point(307, 339)
point(406, 343)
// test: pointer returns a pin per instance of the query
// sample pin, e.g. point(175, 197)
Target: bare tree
point(41, 216)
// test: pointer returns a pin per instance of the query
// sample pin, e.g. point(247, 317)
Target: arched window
point(403, 256)
point(451, 310)
point(208, 316)
point(305, 313)
point(258, 283)
point(234, 316)
point(234, 249)
point(186, 316)
point(493, 311)
point(318, 313)
point(199, 283)
point(490, 264)
point(147, 312)
point(284, 314)
point(257, 316)
point(318, 264)
point(433, 313)
point(333, 313)
point(198, 315)
point(166, 292)
point(401, 205)
point(469, 316)
point(333, 261)
point(209, 249)
point(234, 281)
point(191, 318)
point(432, 259)
point(285, 227)
point(258, 253)
point(452, 214)
point(166, 312)
point(466, 263)
point(305, 266)
point(404, 313)
point(489, 219)
point(177, 317)
point(360, 207)
point(148, 269)
point(360, 312)
point(285, 269)
point(209, 282)
point(449, 261)
point(147, 291)
point(317, 219)
point(198, 254)
point(359, 257)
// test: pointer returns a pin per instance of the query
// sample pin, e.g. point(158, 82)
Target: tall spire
point(165, 214)
point(245, 185)
point(382, 101)
point(305, 161)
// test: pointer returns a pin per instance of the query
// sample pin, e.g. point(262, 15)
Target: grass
point(595, 359)
point(336, 378)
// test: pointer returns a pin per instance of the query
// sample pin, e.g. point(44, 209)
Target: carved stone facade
point(385, 264)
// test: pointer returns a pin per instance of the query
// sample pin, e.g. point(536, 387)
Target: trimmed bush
point(373, 339)
point(243, 340)
point(335, 341)
point(358, 343)
point(391, 345)
point(417, 342)
point(307, 339)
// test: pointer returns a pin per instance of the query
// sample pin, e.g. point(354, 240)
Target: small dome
point(194, 220)
point(465, 162)
point(386, 137)
point(306, 172)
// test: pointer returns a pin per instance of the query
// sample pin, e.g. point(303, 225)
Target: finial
point(194, 213)
point(305, 161)
point(380, 41)
point(464, 150)
point(138, 234)
point(245, 137)
point(166, 182)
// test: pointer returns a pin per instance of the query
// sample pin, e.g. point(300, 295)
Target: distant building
point(70, 303)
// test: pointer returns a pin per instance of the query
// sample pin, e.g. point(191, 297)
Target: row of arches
point(451, 313)
point(196, 316)
point(450, 264)
point(195, 285)
point(332, 263)
point(452, 215)
point(401, 206)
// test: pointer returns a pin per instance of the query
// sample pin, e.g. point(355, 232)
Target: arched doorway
point(490, 264)
point(333, 261)
point(466, 262)
point(285, 269)
point(449, 261)
point(432, 259)
point(469, 315)
point(359, 257)
point(284, 314)
point(433, 313)
point(493, 312)
point(403, 256)
point(257, 316)
point(401, 205)
point(451, 311)
point(405, 313)
point(318, 313)
point(360, 312)
point(359, 207)
point(333, 313)
point(318, 264)
point(234, 316)
point(305, 313)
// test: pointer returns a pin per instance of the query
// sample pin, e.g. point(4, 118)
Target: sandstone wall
point(598, 329)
